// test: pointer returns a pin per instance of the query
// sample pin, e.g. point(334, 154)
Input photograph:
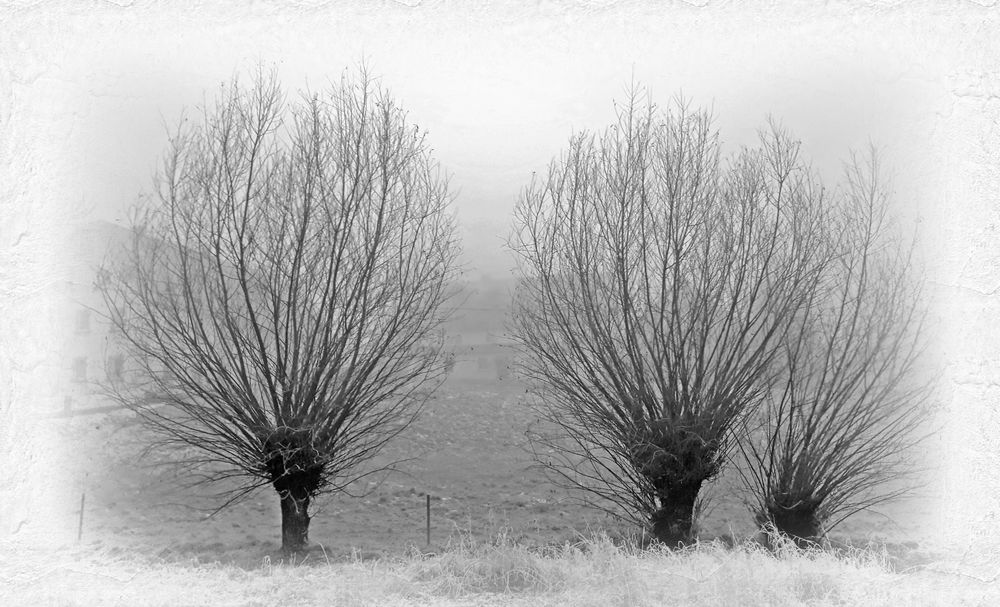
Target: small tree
point(283, 299)
point(656, 289)
point(837, 429)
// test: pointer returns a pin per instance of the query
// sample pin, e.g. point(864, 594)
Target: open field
point(469, 455)
point(501, 535)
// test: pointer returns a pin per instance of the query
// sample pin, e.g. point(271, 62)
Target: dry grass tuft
point(590, 572)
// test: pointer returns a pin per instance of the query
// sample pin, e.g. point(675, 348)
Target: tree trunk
point(296, 471)
point(673, 523)
point(798, 524)
point(294, 523)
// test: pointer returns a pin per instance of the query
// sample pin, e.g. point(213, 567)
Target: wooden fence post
point(79, 528)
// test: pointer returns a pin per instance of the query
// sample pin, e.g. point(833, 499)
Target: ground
point(470, 456)
point(595, 572)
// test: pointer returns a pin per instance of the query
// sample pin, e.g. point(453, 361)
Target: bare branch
point(836, 439)
point(283, 298)
point(657, 287)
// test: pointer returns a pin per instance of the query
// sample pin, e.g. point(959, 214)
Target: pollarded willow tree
point(838, 429)
point(657, 286)
point(283, 297)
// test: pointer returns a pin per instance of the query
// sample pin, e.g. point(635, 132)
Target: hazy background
point(89, 89)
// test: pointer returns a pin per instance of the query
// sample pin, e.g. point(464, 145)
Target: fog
point(89, 96)
point(499, 92)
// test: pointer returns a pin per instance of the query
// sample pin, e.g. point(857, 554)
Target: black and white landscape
point(463, 303)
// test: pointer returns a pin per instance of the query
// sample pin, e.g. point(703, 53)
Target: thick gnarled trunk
point(673, 523)
point(799, 523)
point(296, 471)
point(676, 460)
point(294, 523)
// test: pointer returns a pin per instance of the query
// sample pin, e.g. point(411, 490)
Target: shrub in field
point(837, 428)
point(283, 295)
point(658, 286)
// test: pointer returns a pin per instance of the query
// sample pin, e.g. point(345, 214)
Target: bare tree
point(837, 430)
point(283, 297)
point(657, 285)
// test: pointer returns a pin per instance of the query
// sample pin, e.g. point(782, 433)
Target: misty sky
point(499, 90)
